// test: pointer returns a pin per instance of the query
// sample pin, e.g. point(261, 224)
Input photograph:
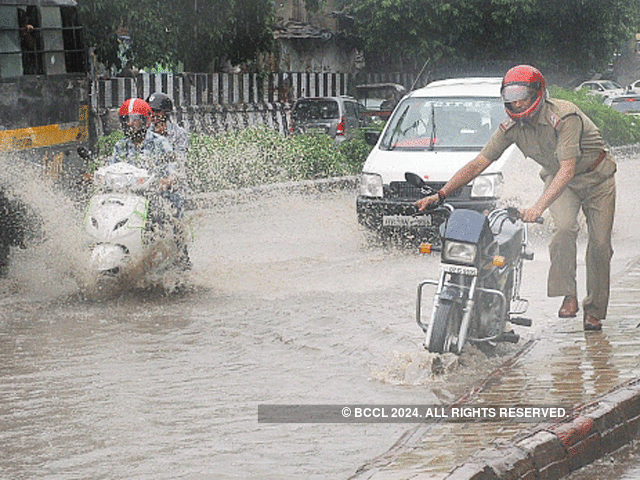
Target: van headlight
point(487, 186)
point(371, 185)
point(458, 252)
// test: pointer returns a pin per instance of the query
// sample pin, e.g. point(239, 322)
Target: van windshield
point(443, 123)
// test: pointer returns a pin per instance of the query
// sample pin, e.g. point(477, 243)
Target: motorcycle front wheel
point(446, 322)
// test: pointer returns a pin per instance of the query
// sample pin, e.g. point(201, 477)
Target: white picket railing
point(221, 101)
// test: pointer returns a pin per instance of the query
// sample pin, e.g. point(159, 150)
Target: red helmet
point(135, 117)
point(520, 83)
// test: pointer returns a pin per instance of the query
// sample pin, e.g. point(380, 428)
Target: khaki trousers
point(598, 204)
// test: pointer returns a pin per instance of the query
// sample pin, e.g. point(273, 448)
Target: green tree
point(100, 25)
point(574, 35)
point(252, 21)
point(193, 32)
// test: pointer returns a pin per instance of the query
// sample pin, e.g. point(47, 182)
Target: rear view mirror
point(415, 180)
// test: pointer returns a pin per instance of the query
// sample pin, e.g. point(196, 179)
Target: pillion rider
point(578, 173)
point(162, 110)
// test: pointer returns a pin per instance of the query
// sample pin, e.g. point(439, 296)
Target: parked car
point(433, 132)
point(628, 103)
point(379, 99)
point(634, 87)
point(337, 117)
point(603, 88)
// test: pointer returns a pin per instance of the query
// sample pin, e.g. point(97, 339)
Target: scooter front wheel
point(445, 319)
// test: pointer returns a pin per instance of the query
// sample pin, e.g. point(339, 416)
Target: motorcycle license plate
point(459, 269)
point(406, 221)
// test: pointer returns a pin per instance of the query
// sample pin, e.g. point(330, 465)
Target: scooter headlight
point(458, 252)
point(487, 186)
point(371, 185)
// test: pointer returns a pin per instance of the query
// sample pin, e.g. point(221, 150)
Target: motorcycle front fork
point(456, 287)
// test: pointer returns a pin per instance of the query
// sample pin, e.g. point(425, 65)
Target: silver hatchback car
point(337, 117)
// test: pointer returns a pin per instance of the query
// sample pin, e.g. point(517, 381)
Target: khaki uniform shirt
point(560, 131)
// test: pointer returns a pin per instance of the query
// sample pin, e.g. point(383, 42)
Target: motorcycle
point(129, 226)
point(478, 290)
point(21, 225)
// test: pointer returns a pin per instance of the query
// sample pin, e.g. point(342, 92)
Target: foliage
point(259, 155)
point(106, 143)
point(572, 35)
point(195, 33)
point(100, 25)
point(576, 36)
point(251, 30)
point(356, 150)
point(617, 128)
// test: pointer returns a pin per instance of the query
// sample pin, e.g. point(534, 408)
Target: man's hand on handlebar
point(426, 202)
point(530, 215)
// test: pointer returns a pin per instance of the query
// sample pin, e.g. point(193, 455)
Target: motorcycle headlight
point(459, 252)
point(487, 186)
point(371, 185)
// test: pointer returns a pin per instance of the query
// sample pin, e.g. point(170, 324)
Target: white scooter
point(123, 236)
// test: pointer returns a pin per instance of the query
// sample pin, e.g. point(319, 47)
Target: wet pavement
point(562, 365)
point(289, 303)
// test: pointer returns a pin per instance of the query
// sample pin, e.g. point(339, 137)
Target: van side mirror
point(371, 137)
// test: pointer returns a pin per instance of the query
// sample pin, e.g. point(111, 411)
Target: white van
point(433, 132)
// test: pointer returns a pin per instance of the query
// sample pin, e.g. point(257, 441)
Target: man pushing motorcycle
point(578, 173)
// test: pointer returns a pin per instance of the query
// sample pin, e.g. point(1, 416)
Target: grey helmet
point(160, 102)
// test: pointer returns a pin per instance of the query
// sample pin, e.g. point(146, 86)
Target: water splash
point(51, 262)
point(55, 261)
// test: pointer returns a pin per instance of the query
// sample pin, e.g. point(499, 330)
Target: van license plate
point(406, 221)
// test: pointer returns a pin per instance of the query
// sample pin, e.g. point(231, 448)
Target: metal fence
point(196, 89)
point(208, 103)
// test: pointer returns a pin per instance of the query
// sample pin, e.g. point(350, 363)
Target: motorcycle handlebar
point(514, 214)
point(443, 207)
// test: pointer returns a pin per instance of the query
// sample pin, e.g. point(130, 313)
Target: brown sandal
point(591, 323)
point(569, 307)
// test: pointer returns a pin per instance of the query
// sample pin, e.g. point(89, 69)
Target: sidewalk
point(597, 372)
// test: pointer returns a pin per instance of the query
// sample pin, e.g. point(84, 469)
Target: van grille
point(408, 191)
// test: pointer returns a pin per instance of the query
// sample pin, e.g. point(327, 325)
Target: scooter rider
point(147, 149)
point(578, 173)
point(140, 145)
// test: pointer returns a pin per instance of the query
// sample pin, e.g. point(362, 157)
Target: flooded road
point(288, 303)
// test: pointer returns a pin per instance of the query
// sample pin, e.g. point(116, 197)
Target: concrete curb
point(553, 451)
point(207, 200)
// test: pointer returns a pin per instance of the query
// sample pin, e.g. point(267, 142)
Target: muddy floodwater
point(289, 302)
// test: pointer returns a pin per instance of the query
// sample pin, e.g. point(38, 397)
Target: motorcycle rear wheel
point(4, 257)
point(446, 321)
